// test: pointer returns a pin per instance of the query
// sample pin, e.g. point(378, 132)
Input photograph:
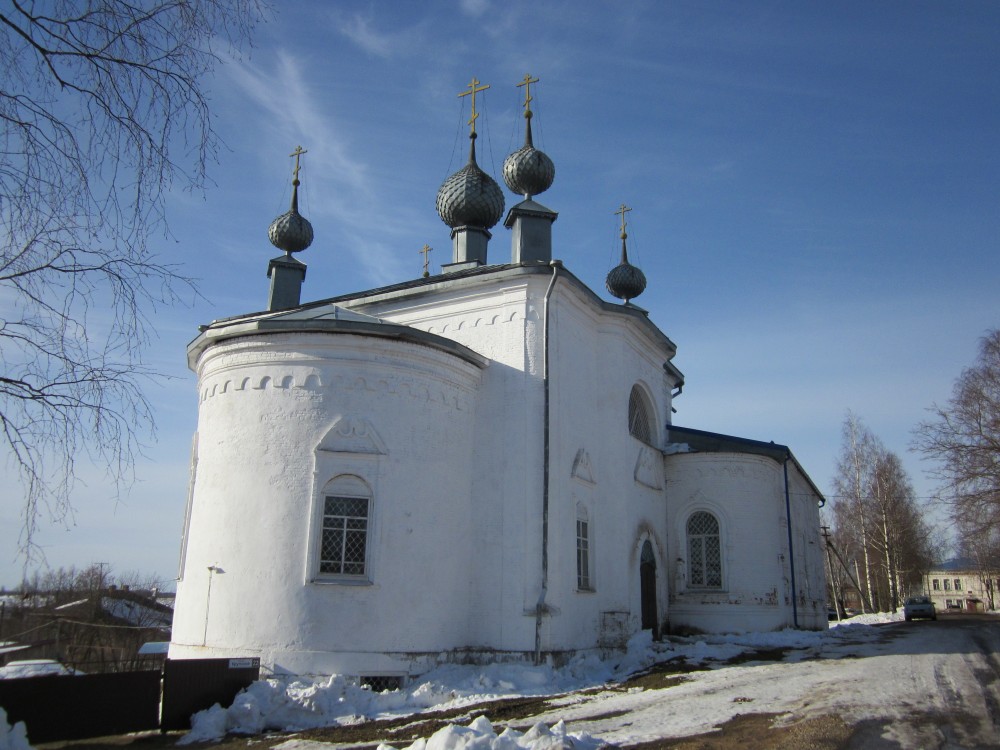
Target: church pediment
point(352, 435)
point(582, 468)
point(647, 468)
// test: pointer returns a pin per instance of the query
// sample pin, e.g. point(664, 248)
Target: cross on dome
point(622, 211)
point(473, 91)
point(295, 172)
point(526, 82)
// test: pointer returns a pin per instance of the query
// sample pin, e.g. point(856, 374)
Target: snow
point(34, 668)
point(480, 735)
point(136, 613)
point(12, 737)
point(290, 704)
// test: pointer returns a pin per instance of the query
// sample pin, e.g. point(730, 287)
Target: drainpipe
point(540, 606)
point(791, 551)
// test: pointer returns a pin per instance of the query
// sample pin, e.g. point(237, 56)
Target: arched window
point(584, 582)
point(704, 551)
point(640, 425)
point(346, 505)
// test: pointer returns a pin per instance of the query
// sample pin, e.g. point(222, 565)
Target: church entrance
point(647, 589)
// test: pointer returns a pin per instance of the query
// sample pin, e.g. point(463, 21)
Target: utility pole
point(829, 568)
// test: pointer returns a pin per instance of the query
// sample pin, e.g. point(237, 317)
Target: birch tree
point(878, 520)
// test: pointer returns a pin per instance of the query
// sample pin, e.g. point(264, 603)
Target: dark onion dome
point(528, 171)
point(291, 231)
point(470, 197)
point(625, 281)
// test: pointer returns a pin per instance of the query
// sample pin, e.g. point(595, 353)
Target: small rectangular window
point(583, 555)
point(947, 585)
point(958, 584)
point(937, 584)
point(345, 536)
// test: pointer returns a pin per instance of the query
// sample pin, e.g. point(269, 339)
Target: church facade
point(478, 465)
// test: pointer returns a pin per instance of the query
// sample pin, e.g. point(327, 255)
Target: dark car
point(917, 607)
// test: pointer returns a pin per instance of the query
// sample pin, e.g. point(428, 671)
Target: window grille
point(381, 682)
point(583, 554)
point(345, 536)
point(639, 424)
point(704, 551)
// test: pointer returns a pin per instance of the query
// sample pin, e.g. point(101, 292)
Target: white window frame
point(348, 487)
point(346, 525)
point(701, 551)
point(584, 550)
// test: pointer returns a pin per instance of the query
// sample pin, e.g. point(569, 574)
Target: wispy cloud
point(360, 31)
point(474, 8)
point(365, 32)
point(284, 93)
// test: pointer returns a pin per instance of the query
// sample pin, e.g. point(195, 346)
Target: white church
point(474, 466)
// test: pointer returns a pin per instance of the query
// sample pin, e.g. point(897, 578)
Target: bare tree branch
point(102, 111)
point(963, 442)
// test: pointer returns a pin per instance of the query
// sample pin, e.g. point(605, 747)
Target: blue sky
point(814, 186)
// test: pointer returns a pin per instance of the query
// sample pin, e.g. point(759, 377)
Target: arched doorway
point(647, 589)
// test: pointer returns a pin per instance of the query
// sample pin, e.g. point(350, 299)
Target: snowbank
point(13, 737)
point(480, 735)
point(870, 619)
point(293, 704)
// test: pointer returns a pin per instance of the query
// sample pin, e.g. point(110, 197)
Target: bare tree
point(963, 440)
point(102, 111)
point(878, 522)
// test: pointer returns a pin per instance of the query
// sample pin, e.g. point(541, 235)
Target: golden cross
point(623, 210)
point(297, 153)
point(473, 90)
point(528, 80)
point(424, 251)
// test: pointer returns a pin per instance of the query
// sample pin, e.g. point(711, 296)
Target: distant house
point(962, 584)
point(93, 631)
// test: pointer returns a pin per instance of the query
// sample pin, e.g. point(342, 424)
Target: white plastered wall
point(399, 416)
point(746, 493)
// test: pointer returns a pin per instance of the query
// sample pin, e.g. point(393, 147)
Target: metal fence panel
point(192, 685)
point(72, 707)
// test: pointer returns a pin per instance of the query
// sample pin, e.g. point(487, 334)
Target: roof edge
point(219, 332)
point(703, 441)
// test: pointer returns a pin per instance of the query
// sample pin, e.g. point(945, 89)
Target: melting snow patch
point(12, 737)
point(297, 703)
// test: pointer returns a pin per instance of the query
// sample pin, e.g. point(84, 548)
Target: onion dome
point(528, 171)
point(470, 197)
point(625, 281)
point(291, 231)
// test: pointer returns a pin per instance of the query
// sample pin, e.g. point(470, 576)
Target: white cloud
point(474, 8)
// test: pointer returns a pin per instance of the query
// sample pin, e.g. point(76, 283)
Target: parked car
point(919, 606)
